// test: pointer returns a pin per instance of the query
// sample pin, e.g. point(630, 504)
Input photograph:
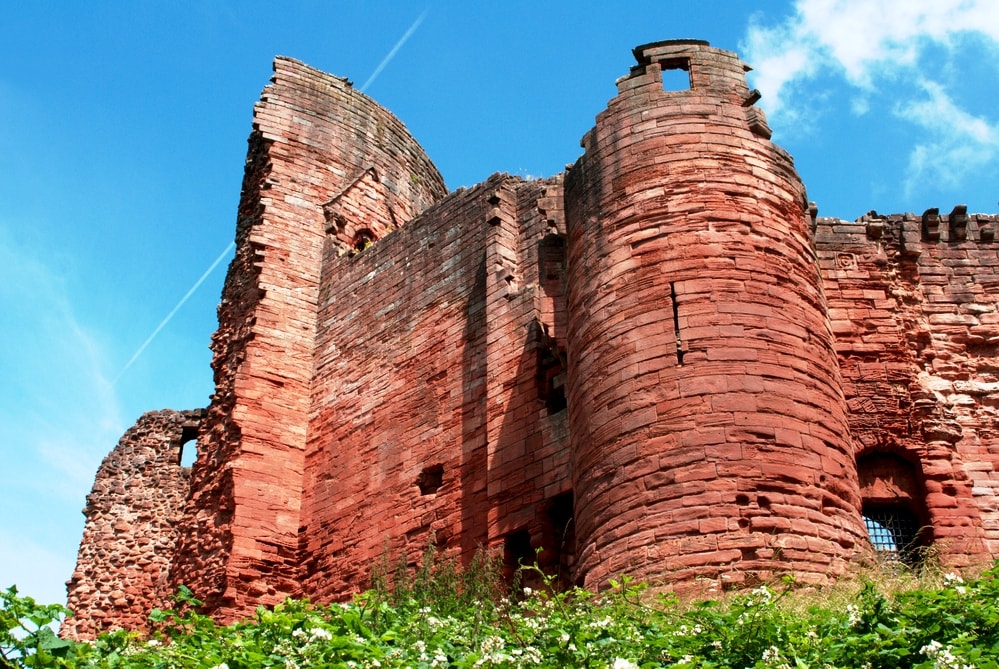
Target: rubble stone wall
point(130, 533)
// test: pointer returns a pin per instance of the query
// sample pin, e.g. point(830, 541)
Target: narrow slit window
point(676, 323)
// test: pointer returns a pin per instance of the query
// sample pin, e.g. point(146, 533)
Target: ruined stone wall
point(650, 365)
point(130, 533)
point(427, 423)
point(913, 302)
point(708, 427)
point(314, 136)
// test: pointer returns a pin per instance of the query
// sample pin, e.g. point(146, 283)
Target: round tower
point(707, 420)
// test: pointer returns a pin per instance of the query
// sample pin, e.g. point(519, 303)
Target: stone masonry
point(661, 362)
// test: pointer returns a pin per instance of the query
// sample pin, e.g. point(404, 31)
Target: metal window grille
point(894, 533)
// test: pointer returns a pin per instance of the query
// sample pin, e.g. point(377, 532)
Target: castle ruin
point(660, 362)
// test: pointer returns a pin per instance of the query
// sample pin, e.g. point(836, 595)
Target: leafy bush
point(446, 617)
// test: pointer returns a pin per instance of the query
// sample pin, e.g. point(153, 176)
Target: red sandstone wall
point(914, 310)
point(708, 427)
point(314, 136)
point(382, 380)
point(427, 368)
point(130, 533)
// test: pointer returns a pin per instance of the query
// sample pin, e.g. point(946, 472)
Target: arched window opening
point(894, 507)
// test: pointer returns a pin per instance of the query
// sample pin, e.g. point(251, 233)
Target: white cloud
point(874, 44)
point(957, 141)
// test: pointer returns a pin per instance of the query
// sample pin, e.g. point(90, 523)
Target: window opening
point(186, 456)
point(431, 479)
point(676, 323)
point(363, 239)
point(550, 369)
point(558, 539)
point(675, 74)
point(894, 533)
point(517, 551)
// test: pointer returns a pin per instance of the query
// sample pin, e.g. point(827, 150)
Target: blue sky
point(123, 133)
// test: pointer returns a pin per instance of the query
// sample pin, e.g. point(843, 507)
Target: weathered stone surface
point(130, 534)
point(660, 362)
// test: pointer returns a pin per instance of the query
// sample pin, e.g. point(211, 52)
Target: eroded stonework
point(130, 535)
point(660, 362)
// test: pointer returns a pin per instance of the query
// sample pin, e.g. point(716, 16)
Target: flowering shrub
point(443, 617)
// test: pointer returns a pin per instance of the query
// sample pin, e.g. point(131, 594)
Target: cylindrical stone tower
point(707, 422)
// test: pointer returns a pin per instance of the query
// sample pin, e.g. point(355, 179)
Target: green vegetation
point(443, 617)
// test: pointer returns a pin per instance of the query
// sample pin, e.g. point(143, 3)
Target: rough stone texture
point(660, 362)
point(913, 304)
point(130, 534)
point(314, 138)
point(709, 435)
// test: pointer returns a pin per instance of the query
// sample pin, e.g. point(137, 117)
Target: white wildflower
point(491, 644)
point(152, 642)
point(931, 649)
point(772, 658)
point(852, 615)
point(943, 657)
point(317, 633)
point(764, 594)
point(528, 592)
point(221, 666)
point(621, 663)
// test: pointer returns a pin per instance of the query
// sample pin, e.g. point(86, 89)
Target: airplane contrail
point(163, 323)
point(166, 320)
point(391, 54)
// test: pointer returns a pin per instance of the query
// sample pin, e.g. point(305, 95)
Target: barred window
point(894, 533)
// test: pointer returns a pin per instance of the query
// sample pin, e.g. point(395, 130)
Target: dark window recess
point(675, 74)
point(558, 539)
point(517, 552)
point(363, 239)
point(430, 479)
point(551, 372)
point(894, 533)
point(187, 455)
point(676, 323)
